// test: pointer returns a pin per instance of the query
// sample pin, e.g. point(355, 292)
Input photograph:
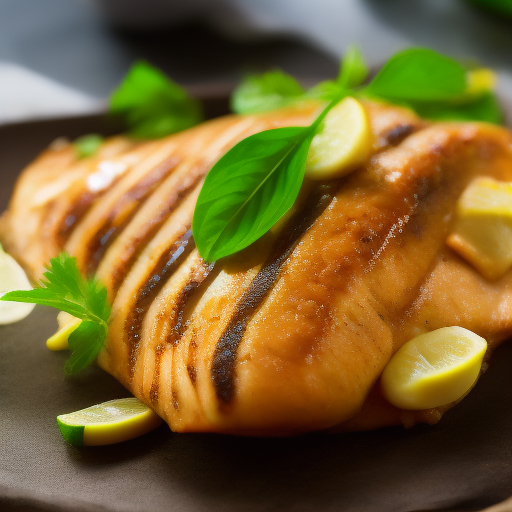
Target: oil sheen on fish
point(292, 334)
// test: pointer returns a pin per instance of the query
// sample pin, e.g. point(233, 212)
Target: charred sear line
point(155, 384)
point(397, 134)
point(224, 358)
point(123, 212)
point(172, 203)
point(192, 373)
point(176, 327)
point(74, 214)
point(167, 264)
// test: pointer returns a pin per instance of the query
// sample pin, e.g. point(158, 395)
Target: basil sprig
point(269, 91)
point(429, 83)
point(253, 185)
point(152, 105)
point(249, 189)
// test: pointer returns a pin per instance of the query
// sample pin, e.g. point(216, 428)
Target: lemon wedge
point(434, 369)
point(59, 341)
point(343, 144)
point(108, 423)
point(12, 277)
point(482, 233)
point(479, 81)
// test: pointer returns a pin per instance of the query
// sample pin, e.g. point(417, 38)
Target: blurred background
point(63, 57)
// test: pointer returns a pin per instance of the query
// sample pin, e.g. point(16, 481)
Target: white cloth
point(25, 94)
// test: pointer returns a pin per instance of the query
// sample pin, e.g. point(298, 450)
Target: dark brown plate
point(462, 463)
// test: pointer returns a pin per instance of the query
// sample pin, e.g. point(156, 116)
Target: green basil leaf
point(419, 74)
point(153, 105)
point(353, 70)
point(249, 189)
point(324, 91)
point(269, 91)
point(87, 145)
point(486, 108)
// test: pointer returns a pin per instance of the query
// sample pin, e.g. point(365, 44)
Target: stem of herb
point(316, 123)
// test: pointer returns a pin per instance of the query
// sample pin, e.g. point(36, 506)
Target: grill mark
point(175, 402)
point(192, 373)
point(166, 265)
point(216, 146)
point(397, 134)
point(154, 392)
point(137, 245)
point(124, 211)
point(74, 214)
point(176, 325)
point(224, 358)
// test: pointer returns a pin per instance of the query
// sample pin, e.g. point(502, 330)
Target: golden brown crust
point(292, 334)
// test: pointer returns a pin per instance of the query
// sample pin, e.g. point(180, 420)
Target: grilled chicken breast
point(292, 334)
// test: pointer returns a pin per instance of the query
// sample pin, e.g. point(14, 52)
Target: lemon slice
point(108, 423)
point(479, 81)
point(12, 277)
point(343, 143)
point(59, 341)
point(434, 369)
point(482, 233)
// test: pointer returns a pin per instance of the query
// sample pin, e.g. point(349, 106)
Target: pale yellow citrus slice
point(108, 423)
point(482, 233)
point(343, 142)
point(59, 341)
point(12, 277)
point(479, 81)
point(434, 369)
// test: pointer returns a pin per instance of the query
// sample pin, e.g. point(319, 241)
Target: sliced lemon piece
point(482, 233)
point(343, 144)
point(12, 277)
point(59, 341)
point(108, 423)
point(479, 81)
point(434, 369)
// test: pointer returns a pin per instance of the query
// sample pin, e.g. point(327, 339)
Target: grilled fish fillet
point(292, 334)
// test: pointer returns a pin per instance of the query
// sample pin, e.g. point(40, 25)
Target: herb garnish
point(249, 189)
point(269, 91)
point(87, 145)
point(63, 287)
point(152, 104)
point(353, 72)
point(253, 185)
point(430, 83)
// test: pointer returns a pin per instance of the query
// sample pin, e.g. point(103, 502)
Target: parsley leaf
point(153, 105)
point(63, 287)
point(269, 91)
point(87, 145)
